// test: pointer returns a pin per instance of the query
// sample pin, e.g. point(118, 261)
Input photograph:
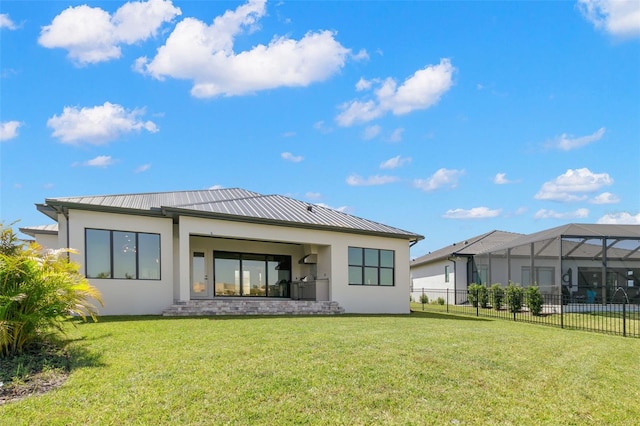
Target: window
point(371, 266)
point(446, 273)
point(543, 276)
point(122, 254)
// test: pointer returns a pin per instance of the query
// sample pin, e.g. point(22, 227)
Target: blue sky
point(448, 119)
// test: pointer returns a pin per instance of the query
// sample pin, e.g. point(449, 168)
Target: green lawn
point(362, 370)
point(600, 320)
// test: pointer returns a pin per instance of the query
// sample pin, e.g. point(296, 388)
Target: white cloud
point(371, 132)
point(361, 55)
point(290, 157)
point(99, 161)
point(447, 178)
point(566, 142)
point(6, 22)
point(9, 130)
point(396, 135)
point(395, 162)
point(623, 218)
point(142, 168)
point(420, 91)
point(363, 84)
point(573, 185)
point(97, 125)
point(91, 35)
point(551, 214)
point(288, 134)
point(216, 187)
point(356, 180)
point(204, 54)
point(501, 179)
point(474, 213)
point(617, 17)
point(605, 198)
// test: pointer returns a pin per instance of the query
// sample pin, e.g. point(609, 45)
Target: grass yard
point(423, 368)
point(600, 320)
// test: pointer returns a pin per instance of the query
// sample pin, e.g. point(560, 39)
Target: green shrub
point(38, 291)
point(440, 301)
point(515, 296)
point(497, 296)
point(534, 300)
point(483, 296)
point(473, 293)
point(424, 299)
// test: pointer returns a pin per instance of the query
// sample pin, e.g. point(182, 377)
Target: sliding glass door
point(254, 275)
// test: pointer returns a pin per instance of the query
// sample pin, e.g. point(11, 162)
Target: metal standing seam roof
point(234, 203)
point(468, 247)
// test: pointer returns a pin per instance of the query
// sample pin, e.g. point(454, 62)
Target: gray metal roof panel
point(148, 201)
point(234, 202)
point(284, 209)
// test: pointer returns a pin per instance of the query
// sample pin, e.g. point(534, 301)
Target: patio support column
point(489, 272)
point(508, 264)
point(604, 271)
point(184, 265)
point(532, 265)
point(558, 277)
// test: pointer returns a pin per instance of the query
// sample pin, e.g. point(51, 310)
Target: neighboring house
point(45, 235)
point(590, 263)
point(452, 267)
point(145, 252)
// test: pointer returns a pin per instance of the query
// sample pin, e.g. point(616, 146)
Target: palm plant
point(39, 290)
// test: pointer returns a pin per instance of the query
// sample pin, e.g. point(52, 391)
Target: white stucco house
point(210, 250)
point(590, 263)
point(452, 267)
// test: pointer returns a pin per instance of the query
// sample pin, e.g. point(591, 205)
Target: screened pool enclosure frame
point(583, 263)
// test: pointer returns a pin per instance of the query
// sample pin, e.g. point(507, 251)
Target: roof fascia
point(103, 209)
point(47, 211)
point(34, 232)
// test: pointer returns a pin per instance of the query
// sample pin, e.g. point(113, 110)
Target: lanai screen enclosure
point(583, 263)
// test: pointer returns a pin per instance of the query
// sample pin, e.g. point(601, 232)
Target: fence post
point(624, 318)
point(561, 311)
point(422, 299)
point(447, 300)
point(477, 303)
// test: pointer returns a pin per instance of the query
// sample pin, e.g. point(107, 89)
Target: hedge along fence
point(527, 304)
point(516, 297)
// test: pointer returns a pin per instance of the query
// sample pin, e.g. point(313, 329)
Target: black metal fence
point(621, 318)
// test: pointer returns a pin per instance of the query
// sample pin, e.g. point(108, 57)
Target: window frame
point(111, 259)
point(367, 265)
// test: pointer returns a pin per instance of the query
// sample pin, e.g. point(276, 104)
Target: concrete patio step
point(241, 306)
